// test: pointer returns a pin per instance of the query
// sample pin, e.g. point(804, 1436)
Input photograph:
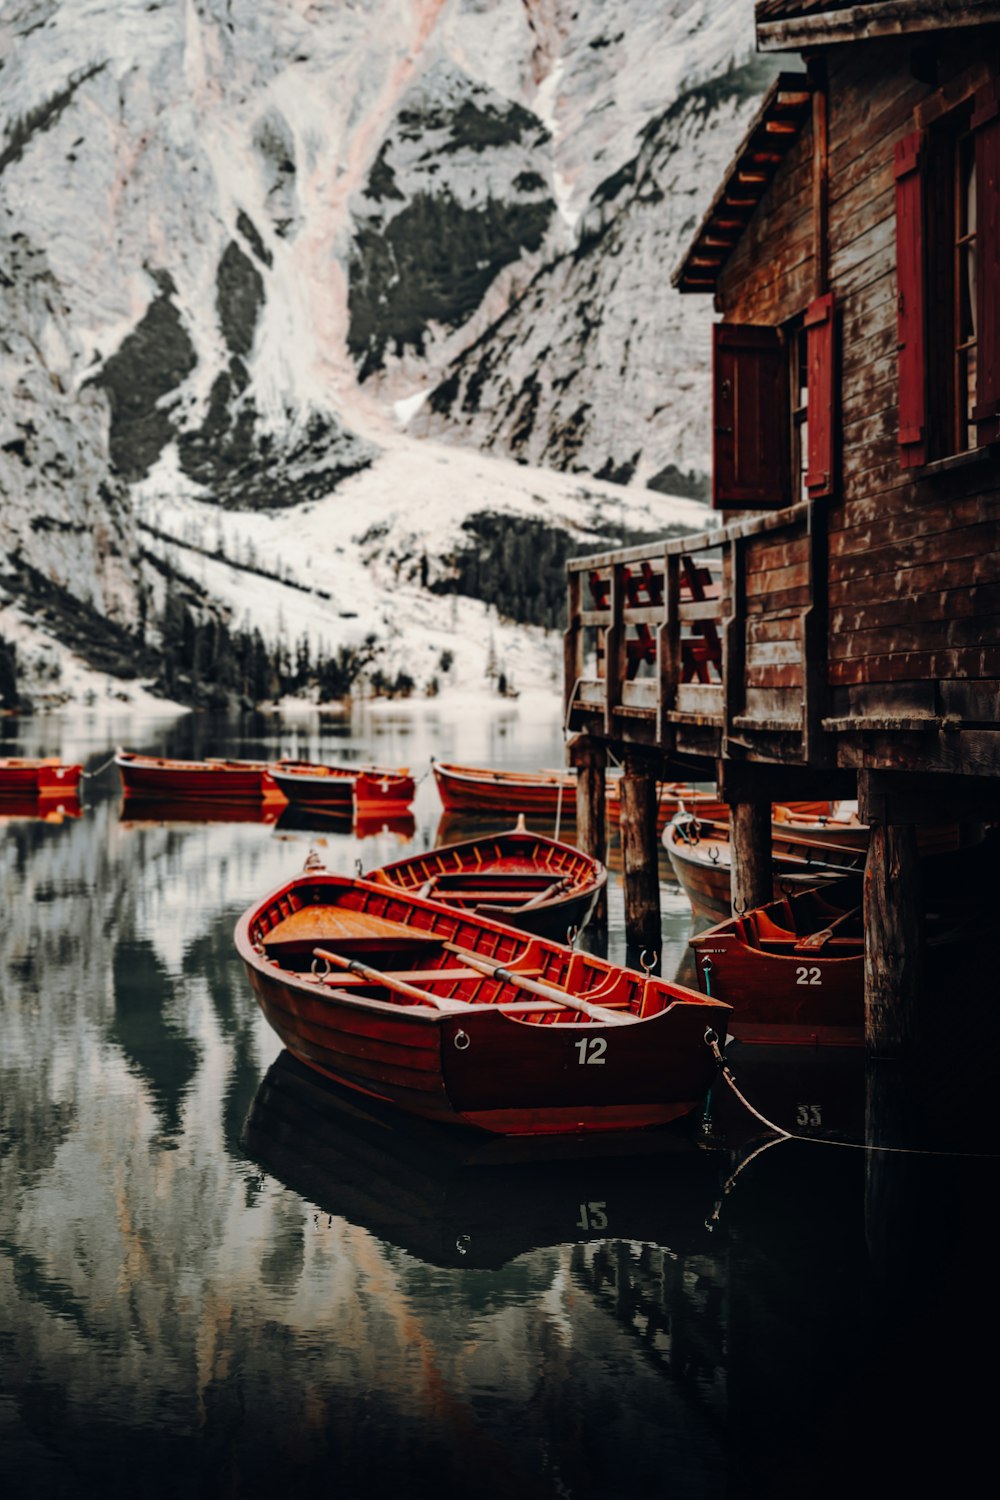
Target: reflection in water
point(214, 1280)
point(456, 1198)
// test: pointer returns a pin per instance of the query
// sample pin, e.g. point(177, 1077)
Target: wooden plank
point(917, 580)
point(774, 675)
point(926, 635)
point(927, 665)
point(886, 530)
point(897, 555)
point(980, 602)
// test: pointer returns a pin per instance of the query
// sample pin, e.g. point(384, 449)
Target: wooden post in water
point(751, 879)
point(893, 939)
point(640, 855)
point(590, 757)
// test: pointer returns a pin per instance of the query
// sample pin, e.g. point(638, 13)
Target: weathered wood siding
point(913, 625)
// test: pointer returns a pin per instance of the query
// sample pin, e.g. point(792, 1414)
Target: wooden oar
point(390, 982)
point(546, 991)
point(547, 894)
point(376, 976)
point(816, 940)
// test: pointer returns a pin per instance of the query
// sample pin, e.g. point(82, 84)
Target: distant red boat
point(480, 789)
point(459, 1019)
point(365, 789)
point(202, 781)
point(531, 882)
point(793, 970)
point(41, 777)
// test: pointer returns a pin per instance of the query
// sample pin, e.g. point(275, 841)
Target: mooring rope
point(712, 1041)
point(101, 768)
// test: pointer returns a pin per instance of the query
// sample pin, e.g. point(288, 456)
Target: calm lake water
point(217, 1276)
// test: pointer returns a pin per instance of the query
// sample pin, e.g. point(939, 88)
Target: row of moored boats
point(448, 983)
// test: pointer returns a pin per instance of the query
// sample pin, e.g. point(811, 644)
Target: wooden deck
point(702, 645)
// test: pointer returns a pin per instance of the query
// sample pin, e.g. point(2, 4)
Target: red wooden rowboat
point(343, 788)
point(793, 970)
point(480, 789)
point(204, 781)
point(531, 882)
point(700, 858)
point(40, 777)
point(459, 1019)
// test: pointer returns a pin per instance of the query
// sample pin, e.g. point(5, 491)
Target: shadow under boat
point(453, 1198)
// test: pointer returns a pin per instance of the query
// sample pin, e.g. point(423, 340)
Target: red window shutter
point(911, 307)
point(986, 126)
point(819, 322)
point(750, 451)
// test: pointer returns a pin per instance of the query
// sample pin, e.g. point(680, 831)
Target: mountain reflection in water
point(222, 1275)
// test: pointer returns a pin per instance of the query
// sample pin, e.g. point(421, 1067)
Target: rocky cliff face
point(234, 238)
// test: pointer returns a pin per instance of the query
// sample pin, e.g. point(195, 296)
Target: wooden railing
point(718, 631)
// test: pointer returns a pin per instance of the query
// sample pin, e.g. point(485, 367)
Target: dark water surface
point(220, 1277)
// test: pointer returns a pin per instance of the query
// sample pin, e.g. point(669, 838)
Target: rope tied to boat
point(90, 775)
point(712, 1041)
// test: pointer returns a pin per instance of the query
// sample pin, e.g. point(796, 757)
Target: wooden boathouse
point(837, 633)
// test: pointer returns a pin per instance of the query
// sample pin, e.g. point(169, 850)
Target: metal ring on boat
point(319, 973)
point(462, 1244)
point(461, 1040)
point(713, 853)
point(711, 1037)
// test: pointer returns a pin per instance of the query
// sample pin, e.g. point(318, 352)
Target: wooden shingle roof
point(785, 109)
point(786, 25)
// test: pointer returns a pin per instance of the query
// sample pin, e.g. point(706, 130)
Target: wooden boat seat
point(794, 945)
point(413, 976)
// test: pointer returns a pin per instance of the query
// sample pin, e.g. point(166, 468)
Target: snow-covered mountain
point(274, 263)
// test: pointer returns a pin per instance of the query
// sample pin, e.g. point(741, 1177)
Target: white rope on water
point(712, 1041)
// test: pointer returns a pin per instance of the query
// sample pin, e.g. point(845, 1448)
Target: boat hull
point(494, 1065)
point(201, 782)
point(41, 778)
point(345, 789)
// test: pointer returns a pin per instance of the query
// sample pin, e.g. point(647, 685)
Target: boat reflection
point(138, 811)
point(297, 818)
point(456, 1198)
point(43, 809)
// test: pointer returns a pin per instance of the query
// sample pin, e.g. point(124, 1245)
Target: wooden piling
point(640, 855)
point(590, 757)
point(893, 939)
point(751, 880)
